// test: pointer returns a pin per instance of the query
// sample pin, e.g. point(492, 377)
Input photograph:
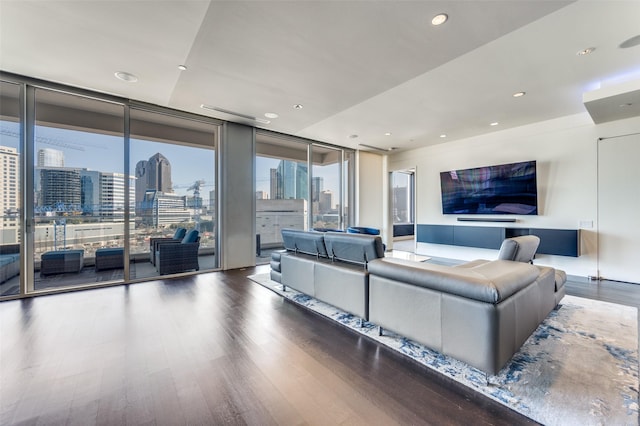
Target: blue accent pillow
point(180, 233)
point(363, 230)
point(191, 237)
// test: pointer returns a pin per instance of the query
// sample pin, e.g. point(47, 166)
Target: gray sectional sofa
point(480, 313)
point(330, 266)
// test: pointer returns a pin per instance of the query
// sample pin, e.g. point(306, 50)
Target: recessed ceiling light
point(271, 115)
point(125, 76)
point(388, 134)
point(353, 136)
point(297, 106)
point(519, 94)
point(439, 19)
point(443, 135)
point(182, 67)
point(495, 123)
point(586, 51)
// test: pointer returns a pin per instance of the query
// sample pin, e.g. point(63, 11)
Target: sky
point(105, 153)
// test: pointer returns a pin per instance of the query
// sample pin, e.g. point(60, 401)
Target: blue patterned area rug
point(580, 367)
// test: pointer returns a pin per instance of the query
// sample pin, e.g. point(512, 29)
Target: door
point(618, 206)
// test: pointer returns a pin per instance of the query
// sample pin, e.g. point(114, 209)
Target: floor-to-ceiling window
point(299, 185)
point(79, 188)
point(96, 178)
point(10, 194)
point(174, 161)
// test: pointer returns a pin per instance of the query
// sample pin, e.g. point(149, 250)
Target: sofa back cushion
point(304, 242)
point(354, 248)
point(519, 249)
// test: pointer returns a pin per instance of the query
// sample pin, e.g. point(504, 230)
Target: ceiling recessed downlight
point(388, 134)
point(353, 136)
point(182, 67)
point(519, 94)
point(125, 76)
point(586, 51)
point(443, 136)
point(297, 106)
point(439, 19)
point(271, 115)
point(495, 123)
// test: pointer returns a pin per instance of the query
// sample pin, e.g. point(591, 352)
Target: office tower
point(152, 174)
point(325, 201)
point(317, 184)
point(61, 189)
point(273, 185)
point(292, 180)
point(103, 194)
point(10, 190)
point(48, 157)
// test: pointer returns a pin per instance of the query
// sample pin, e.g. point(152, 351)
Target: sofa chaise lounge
point(480, 312)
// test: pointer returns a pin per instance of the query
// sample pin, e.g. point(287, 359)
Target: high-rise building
point(317, 186)
point(48, 157)
point(290, 181)
point(61, 189)
point(152, 174)
point(261, 195)
point(325, 202)
point(103, 194)
point(10, 190)
point(273, 185)
point(160, 209)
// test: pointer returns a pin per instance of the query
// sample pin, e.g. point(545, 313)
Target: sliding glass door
point(299, 185)
point(79, 189)
point(174, 161)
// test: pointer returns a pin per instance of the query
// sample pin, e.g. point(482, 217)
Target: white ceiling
point(358, 67)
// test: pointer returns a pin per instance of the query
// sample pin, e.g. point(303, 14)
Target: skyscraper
point(317, 186)
point(152, 174)
point(61, 189)
point(290, 181)
point(10, 190)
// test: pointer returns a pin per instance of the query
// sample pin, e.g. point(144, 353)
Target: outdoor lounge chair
point(177, 237)
point(172, 257)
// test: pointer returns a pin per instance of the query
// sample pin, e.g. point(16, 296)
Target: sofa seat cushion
point(7, 259)
point(490, 282)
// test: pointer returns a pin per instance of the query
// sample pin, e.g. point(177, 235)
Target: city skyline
point(108, 153)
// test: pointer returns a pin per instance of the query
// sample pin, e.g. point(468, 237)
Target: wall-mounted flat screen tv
point(502, 189)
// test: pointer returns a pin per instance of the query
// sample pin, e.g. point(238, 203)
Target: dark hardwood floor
point(214, 349)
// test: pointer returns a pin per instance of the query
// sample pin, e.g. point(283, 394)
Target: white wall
point(566, 153)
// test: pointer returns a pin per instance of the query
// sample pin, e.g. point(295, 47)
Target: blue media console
point(560, 242)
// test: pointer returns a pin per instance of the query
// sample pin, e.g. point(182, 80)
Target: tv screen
point(502, 189)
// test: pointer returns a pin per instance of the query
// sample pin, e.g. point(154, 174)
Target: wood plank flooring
point(210, 349)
